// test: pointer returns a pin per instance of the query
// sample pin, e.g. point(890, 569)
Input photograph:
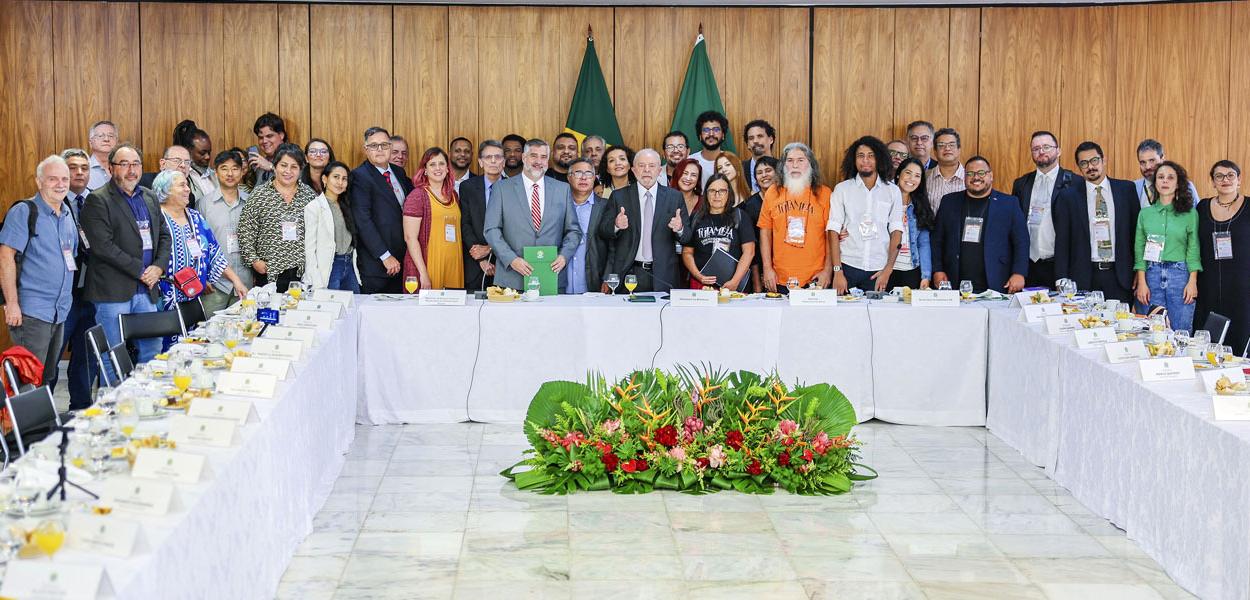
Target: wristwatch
point(837, 268)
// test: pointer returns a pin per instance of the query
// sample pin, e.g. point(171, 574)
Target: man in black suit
point(1095, 224)
point(1037, 192)
point(475, 194)
point(585, 270)
point(378, 190)
point(176, 158)
point(980, 235)
point(130, 248)
point(643, 222)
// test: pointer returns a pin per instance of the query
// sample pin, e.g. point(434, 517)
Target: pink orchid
point(716, 456)
point(787, 427)
point(611, 425)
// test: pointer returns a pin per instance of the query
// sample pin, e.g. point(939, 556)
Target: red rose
point(610, 461)
point(666, 435)
point(756, 468)
point(603, 447)
point(783, 459)
point(702, 462)
point(733, 439)
point(635, 465)
point(807, 454)
point(641, 464)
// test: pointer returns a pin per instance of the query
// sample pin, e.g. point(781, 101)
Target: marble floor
point(420, 512)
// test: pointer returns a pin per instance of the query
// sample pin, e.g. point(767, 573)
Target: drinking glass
point(49, 535)
point(1202, 337)
point(945, 285)
point(1226, 354)
point(233, 335)
point(1157, 322)
point(631, 283)
point(295, 289)
point(792, 283)
point(612, 280)
point(1096, 297)
point(12, 538)
point(965, 289)
point(127, 414)
point(182, 378)
point(411, 284)
point(1068, 287)
point(1215, 354)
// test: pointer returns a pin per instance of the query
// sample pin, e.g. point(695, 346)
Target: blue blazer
point(1004, 236)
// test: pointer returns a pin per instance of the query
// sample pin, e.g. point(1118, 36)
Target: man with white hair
point(644, 225)
point(101, 139)
point(792, 224)
point(39, 295)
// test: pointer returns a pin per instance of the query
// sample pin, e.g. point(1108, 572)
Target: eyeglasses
point(977, 174)
point(712, 130)
point(582, 173)
point(947, 145)
point(898, 154)
point(492, 157)
point(671, 147)
point(724, 192)
point(374, 147)
point(1091, 162)
point(177, 162)
point(318, 152)
point(127, 165)
point(1044, 148)
point(1231, 176)
point(919, 138)
point(104, 136)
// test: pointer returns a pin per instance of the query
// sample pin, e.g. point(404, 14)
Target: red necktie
point(535, 213)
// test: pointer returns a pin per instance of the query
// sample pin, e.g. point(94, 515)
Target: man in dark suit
point(1037, 192)
point(475, 194)
point(378, 190)
point(585, 270)
point(178, 159)
point(645, 211)
point(130, 248)
point(1095, 225)
point(980, 235)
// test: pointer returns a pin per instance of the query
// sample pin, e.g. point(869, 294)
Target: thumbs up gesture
point(675, 223)
point(622, 221)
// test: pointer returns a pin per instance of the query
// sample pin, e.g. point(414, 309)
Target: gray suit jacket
point(509, 228)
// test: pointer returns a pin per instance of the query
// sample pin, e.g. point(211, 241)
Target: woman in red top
point(432, 226)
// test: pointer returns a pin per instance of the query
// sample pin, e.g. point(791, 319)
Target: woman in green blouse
point(1166, 257)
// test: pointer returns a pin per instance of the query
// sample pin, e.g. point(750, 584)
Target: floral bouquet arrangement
point(695, 430)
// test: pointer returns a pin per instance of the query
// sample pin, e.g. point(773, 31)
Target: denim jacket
point(921, 254)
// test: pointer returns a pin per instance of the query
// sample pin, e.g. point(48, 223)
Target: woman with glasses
point(432, 226)
point(271, 228)
point(1224, 241)
point(318, 154)
point(1166, 254)
point(718, 225)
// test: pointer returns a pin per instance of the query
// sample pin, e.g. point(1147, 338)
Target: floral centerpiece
point(695, 430)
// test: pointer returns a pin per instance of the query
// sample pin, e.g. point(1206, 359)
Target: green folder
point(540, 258)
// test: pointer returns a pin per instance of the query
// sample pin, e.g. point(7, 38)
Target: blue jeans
point(82, 369)
point(1166, 282)
point(106, 314)
point(343, 274)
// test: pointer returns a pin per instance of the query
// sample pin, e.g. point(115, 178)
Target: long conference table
point(1150, 458)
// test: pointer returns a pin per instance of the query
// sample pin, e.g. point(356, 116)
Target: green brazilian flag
point(591, 112)
point(698, 94)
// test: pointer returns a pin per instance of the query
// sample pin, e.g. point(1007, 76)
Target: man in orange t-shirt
point(792, 232)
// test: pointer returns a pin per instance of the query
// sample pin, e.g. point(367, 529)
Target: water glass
point(965, 288)
point(945, 285)
point(613, 280)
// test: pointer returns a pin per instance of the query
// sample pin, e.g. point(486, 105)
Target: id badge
point(1154, 248)
point(194, 248)
point(145, 234)
point(1223, 244)
point(796, 230)
point(82, 239)
point(232, 243)
point(1102, 230)
point(867, 227)
point(972, 229)
point(1036, 213)
point(70, 264)
point(290, 232)
point(449, 233)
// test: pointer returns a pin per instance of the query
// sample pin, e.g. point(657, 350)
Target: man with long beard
point(792, 224)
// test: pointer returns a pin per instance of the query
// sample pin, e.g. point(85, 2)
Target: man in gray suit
point(530, 210)
point(644, 226)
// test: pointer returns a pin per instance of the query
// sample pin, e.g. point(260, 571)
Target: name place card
point(1092, 338)
point(334, 308)
point(49, 580)
point(342, 297)
point(813, 297)
point(441, 298)
point(1210, 376)
point(141, 497)
point(275, 348)
point(679, 297)
point(303, 335)
point(198, 431)
point(313, 319)
point(1172, 368)
point(251, 385)
point(1231, 408)
point(1122, 352)
point(947, 298)
point(107, 535)
point(278, 367)
point(238, 411)
point(1035, 313)
point(1058, 324)
point(164, 465)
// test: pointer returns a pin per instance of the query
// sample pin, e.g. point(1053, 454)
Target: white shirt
point(456, 183)
point(528, 184)
point(708, 167)
point(1041, 217)
point(98, 174)
point(1091, 201)
point(870, 216)
point(645, 227)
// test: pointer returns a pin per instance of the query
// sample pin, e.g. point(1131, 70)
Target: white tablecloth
point(485, 361)
point(233, 534)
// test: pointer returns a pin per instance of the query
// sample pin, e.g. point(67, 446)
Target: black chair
point(1217, 324)
point(33, 415)
point(98, 344)
point(192, 312)
point(138, 326)
point(10, 374)
point(122, 363)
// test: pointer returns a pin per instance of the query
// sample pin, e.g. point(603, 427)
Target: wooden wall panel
point(1088, 82)
point(421, 76)
point(351, 77)
point(1020, 86)
point(29, 97)
point(964, 97)
point(97, 69)
point(921, 67)
point(462, 86)
point(794, 111)
point(252, 86)
point(1239, 92)
point(1132, 89)
point(853, 81)
point(293, 65)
